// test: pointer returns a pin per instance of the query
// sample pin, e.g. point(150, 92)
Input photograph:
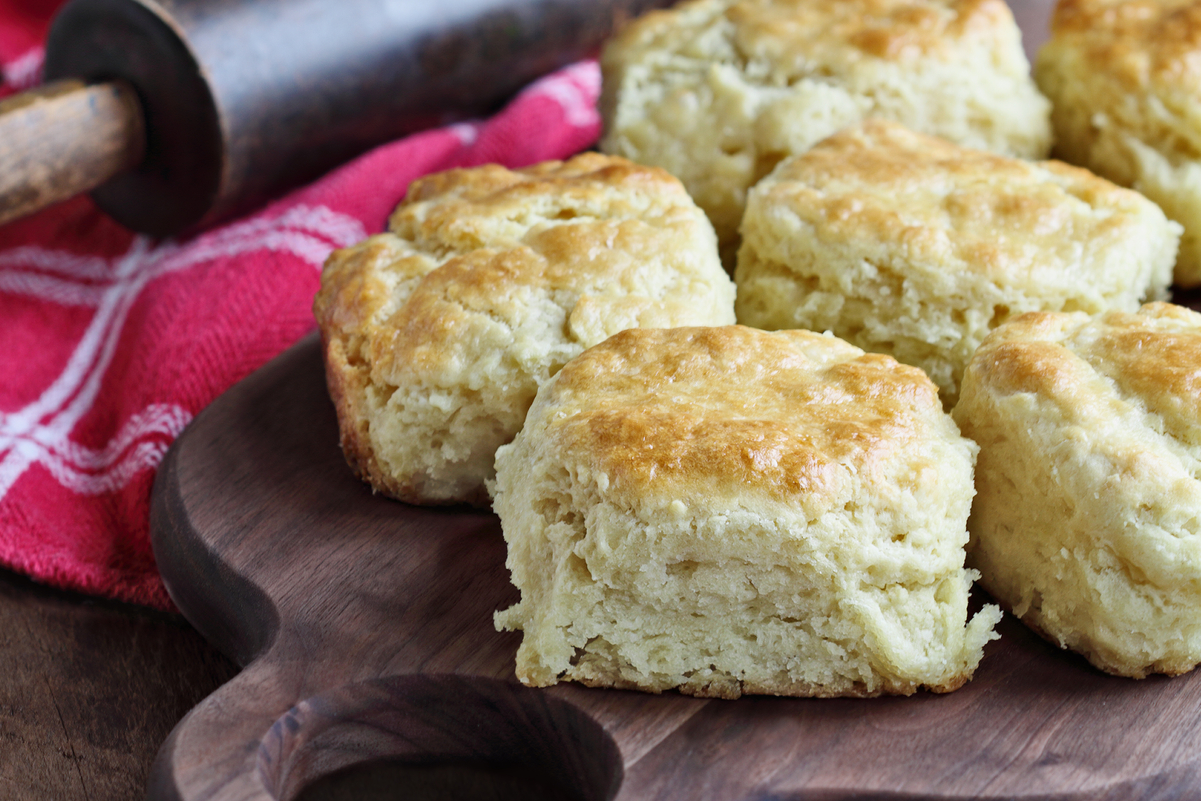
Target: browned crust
point(819, 403)
point(396, 309)
point(729, 688)
point(1135, 43)
point(347, 387)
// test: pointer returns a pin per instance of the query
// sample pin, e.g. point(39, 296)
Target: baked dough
point(910, 245)
point(1125, 80)
point(1087, 521)
point(438, 333)
point(729, 511)
point(719, 91)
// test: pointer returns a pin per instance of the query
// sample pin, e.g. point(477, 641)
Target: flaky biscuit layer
point(1124, 77)
point(719, 91)
point(1087, 521)
point(439, 332)
point(728, 511)
point(911, 245)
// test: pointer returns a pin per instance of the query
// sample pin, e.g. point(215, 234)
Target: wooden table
point(89, 689)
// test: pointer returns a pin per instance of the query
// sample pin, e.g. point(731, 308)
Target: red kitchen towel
point(112, 342)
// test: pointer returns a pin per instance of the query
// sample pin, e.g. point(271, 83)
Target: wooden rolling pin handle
point(65, 138)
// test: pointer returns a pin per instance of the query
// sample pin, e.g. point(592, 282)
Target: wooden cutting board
point(372, 666)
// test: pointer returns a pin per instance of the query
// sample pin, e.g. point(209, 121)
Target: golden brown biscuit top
point(1141, 43)
point(800, 32)
point(489, 260)
point(1002, 218)
point(714, 412)
point(1151, 359)
point(797, 38)
point(449, 209)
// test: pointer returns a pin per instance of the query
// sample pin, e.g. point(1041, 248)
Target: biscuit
point(438, 334)
point(719, 91)
point(909, 245)
point(1124, 78)
point(1087, 521)
point(729, 511)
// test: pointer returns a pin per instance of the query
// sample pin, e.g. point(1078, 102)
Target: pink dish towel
point(112, 342)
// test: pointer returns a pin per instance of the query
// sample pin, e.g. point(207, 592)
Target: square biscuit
point(726, 511)
point(719, 91)
point(910, 245)
point(1087, 521)
point(438, 333)
point(1124, 79)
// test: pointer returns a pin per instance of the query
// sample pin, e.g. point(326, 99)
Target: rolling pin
point(175, 113)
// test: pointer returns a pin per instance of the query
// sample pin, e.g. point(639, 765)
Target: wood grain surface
point(89, 690)
point(366, 629)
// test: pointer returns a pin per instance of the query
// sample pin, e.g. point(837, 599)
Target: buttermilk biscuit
point(438, 333)
point(910, 245)
point(719, 91)
point(1125, 80)
point(1087, 521)
point(728, 511)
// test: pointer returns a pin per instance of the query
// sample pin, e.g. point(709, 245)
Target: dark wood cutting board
point(372, 668)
